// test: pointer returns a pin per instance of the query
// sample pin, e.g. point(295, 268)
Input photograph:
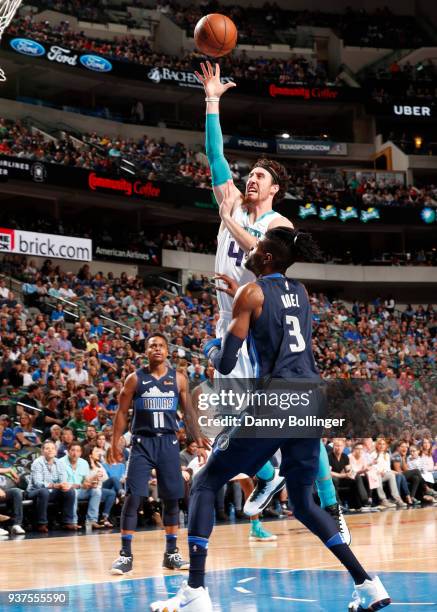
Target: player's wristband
point(212, 99)
point(211, 347)
point(225, 359)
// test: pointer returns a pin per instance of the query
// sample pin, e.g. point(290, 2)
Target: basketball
point(215, 35)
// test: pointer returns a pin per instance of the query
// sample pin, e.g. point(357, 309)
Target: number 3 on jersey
point(294, 330)
point(236, 254)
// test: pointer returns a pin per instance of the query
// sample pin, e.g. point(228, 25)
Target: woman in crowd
point(58, 374)
point(417, 461)
point(25, 435)
point(116, 471)
point(382, 461)
point(100, 477)
point(415, 481)
point(428, 461)
point(103, 445)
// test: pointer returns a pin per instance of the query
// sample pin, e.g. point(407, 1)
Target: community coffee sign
point(148, 189)
point(303, 93)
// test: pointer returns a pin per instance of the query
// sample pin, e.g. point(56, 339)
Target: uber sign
point(412, 111)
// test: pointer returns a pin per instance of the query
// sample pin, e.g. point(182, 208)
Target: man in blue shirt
point(48, 482)
point(78, 475)
point(96, 328)
point(7, 435)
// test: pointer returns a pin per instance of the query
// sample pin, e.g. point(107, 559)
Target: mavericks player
point(155, 391)
point(245, 219)
point(281, 331)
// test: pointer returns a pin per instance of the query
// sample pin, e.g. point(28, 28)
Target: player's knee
point(130, 507)
point(301, 500)
point(170, 516)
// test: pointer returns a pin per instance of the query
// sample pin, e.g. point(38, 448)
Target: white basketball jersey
point(230, 256)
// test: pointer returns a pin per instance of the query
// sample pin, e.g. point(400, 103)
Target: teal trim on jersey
point(274, 275)
point(220, 171)
point(266, 214)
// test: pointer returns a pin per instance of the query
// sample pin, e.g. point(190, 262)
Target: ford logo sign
point(96, 63)
point(27, 47)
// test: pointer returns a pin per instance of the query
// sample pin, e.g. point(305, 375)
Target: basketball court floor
point(296, 573)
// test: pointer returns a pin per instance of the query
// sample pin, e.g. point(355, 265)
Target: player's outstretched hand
point(231, 287)
point(228, 200)
point(210, 80)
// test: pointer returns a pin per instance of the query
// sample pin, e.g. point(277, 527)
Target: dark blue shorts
point(230, 456)
point(161, 453)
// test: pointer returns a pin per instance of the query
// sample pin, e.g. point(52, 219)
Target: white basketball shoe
point(186, 599)
point(369, 596)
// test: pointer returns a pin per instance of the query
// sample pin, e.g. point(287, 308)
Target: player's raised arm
point(121, 416)
point(247, 307)
point(214, 89)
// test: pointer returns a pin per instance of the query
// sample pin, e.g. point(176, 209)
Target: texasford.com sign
point(60, 55)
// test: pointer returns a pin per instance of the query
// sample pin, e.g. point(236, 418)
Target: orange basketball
point(215, 35)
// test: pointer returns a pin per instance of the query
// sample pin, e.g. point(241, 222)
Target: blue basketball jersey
point(155, 403)
point(280, 340)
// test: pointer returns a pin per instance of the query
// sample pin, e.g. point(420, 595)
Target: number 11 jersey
point(155, 403)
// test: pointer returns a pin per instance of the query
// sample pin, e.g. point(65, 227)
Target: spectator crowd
point(63, 364)
point(156, 159)
point(266, 24)
point(295, 69)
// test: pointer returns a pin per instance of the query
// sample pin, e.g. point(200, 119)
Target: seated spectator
point(31, 400)
point(103, 445)
point(343, 476)
point(90, 411)
point(58, 314)
point(25, 435)
point(51, 413)
point(415, 462)
point(415, 481)
point(427, 460)
point(67, 437)
point(90, 437)
point(55, 435)
point(78, 424)
point(85, 487)
point(101, 419)
point(7, 436)
point(382, 461)
point(78, 374)
point(115, 470)
point(65, 343)
point(378, 471)
point(13, 496)
point(110, 487)
point(48, 482)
